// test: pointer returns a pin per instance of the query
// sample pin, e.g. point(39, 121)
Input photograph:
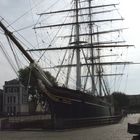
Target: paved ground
point(110, 132)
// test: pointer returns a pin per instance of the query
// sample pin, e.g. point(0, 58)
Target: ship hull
point(70, 104)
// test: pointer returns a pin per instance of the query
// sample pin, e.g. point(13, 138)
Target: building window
point(14, 98)
point(11, 90)
point(8, 99)
point(16, 89)
point(8, 109)
point(14, 110)
point(5, 90)
point(8, 90)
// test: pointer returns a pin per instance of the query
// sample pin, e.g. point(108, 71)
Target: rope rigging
point(8, 58)
point(52, 41)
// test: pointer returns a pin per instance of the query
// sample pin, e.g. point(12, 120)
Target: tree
point(29, 80)
point(121, 101)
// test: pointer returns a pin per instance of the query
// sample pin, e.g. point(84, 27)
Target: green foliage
point(51, 78)
point(28, 79)
point(120, 101)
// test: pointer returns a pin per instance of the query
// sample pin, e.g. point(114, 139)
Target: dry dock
point(106, 132)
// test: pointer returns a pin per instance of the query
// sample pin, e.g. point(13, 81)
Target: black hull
point(134, 128)
point(78, 110)
point(70, 104)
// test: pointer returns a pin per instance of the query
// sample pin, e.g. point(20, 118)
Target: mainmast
point(91, 50)
point(78, 69)
point(99, 68)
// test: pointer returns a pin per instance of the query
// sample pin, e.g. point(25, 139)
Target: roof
point(12, 82)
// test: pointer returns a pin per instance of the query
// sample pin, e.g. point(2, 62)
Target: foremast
point(77, 41)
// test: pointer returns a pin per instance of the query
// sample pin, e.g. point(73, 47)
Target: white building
point(15, 98)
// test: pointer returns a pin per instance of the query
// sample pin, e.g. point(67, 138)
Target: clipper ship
point(89, 39)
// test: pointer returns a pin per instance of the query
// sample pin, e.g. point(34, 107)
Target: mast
point(78, 44)
point(99, 68)
point(94, 45)
point(100, 75)
point(78, 69)
point(91, 50)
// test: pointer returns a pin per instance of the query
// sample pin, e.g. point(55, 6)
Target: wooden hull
point(67, 103)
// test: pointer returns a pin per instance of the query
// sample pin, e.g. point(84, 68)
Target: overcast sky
point(12, 9)
point(130, 11)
